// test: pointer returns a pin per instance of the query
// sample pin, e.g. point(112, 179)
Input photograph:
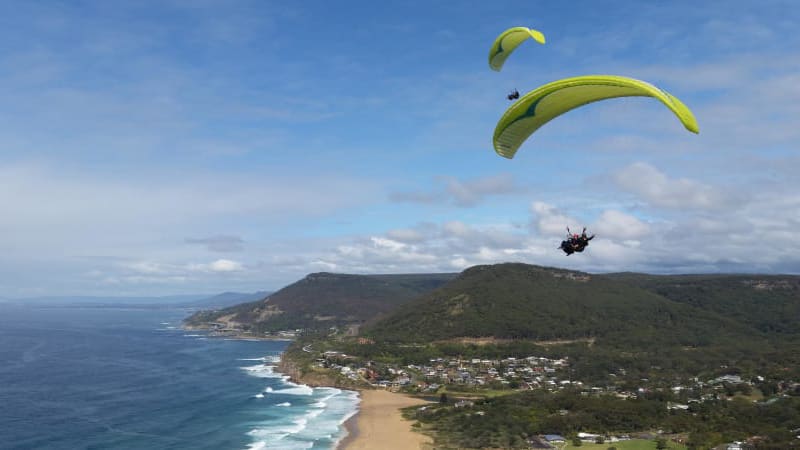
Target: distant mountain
point(226, 299)
point(321, 300)
point(521, 301)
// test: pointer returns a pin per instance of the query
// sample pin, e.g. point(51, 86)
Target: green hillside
point(769, 303)
point(321, 300)
point(519, 301)
point(631, 345)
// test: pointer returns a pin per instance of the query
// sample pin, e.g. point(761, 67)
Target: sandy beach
point(379, 424)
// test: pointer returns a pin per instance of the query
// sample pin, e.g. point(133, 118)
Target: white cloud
point(388, 244)
point(549, 221)
point(324, 265)
point(147, 267)
point(456, 228)
point(741, 239)
point(462, 193)
point(79, 212)
point(613, 223)
point(132, 228)
point(459, 263)
point(225, 265)
point(471, 192)
point(219, 243)
point(405, 235)
point(659, 190)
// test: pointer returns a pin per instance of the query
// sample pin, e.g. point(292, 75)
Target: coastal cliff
point(301, 371)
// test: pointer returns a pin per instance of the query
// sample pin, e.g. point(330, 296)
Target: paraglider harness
point(513, 95)
point(575, 243)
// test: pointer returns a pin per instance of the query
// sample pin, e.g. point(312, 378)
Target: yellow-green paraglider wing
point(549, 101)
point(508, 41)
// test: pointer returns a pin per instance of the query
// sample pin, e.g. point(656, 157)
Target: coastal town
point(536, 372)
point(461, 384)
point(466, 380)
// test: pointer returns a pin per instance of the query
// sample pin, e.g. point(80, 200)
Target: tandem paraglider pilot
point(575, 243)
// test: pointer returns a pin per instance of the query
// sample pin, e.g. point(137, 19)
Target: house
point(671, 406)
point(732, 379)
point(554, 438)
point(588, 437)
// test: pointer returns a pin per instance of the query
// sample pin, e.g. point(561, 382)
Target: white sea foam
point(192, 335)
point(266, 359)
point(309, 426)
point(299, 390)
point(294, 389)
point(316, 422)
point(259, 395)
point(262, 371)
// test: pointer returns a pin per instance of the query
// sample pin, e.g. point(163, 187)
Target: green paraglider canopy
point(508, 41)
point(549, 101)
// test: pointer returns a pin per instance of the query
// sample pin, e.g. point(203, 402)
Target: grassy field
point(755, 396)
point(478, 393)
point(634, 444)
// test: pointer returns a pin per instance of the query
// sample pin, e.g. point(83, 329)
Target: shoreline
point(377, 419)
point(351, 429)
point(377, 422)
point(234, 335)
point(380, 422)
point(291, 373)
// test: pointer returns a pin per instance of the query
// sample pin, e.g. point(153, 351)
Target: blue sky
point(200, 146)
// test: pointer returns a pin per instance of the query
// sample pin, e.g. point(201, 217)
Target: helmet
point(575, 235)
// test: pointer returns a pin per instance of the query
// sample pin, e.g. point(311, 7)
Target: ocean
point(109, 378)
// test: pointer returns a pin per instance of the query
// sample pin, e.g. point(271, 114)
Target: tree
point(661, 444)
point(443, 398)
point(600, 440)
point(576, 442)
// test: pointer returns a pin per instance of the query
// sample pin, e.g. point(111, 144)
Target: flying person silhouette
point(575, 242)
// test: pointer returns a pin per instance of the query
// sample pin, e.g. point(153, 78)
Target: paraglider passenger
point(513, 95)
point(583, 240)
point(575, 242)
point(567, 247)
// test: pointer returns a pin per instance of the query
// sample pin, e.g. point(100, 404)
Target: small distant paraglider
point(508, 41)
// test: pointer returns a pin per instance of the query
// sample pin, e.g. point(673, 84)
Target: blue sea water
point(106, 378)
